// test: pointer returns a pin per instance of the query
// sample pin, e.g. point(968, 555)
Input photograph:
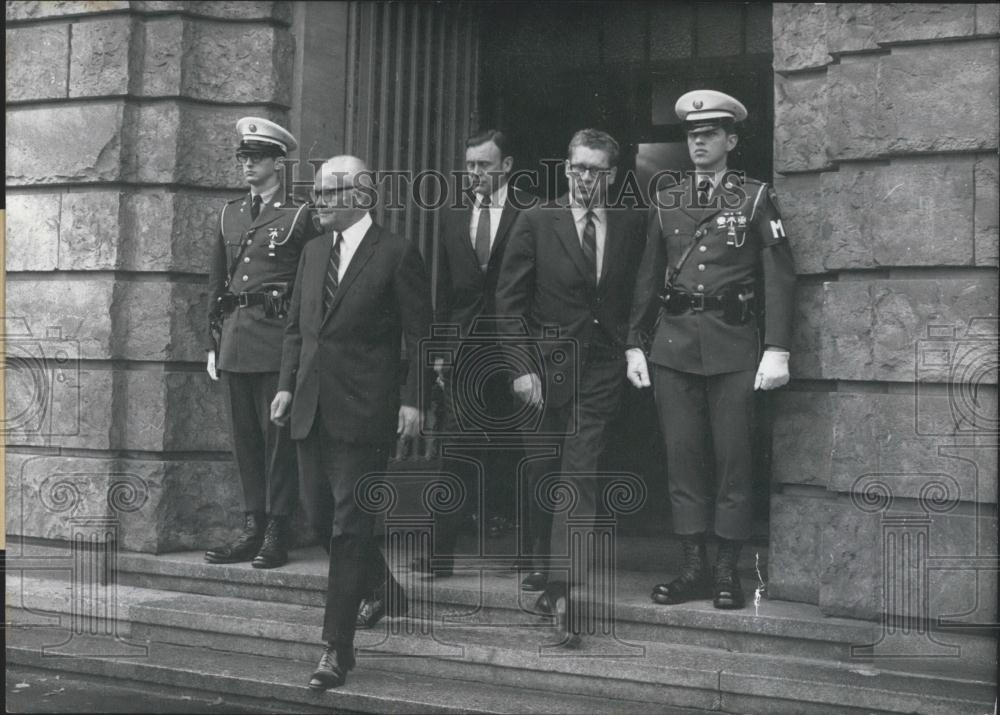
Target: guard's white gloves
point(529, 389)
point(210, 366)
point(637, 371)
point(773, 370)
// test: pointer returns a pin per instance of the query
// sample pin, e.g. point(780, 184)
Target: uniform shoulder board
point(233, 201)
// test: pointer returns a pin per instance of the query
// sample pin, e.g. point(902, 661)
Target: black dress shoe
point(445, 568)
point(534, 581)
point(332, 669)
point(246, 545)
point(274, 549)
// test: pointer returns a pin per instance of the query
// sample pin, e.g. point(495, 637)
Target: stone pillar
point(120, 139)
point(885, 151)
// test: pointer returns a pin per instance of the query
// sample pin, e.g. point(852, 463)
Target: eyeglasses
point(581, 170)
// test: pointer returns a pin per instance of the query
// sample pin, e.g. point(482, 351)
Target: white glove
point(529, 388)
point(637, 370)
point(210, 366)
point(773, 370)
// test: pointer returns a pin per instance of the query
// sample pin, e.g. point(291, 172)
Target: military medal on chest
point(272, 237)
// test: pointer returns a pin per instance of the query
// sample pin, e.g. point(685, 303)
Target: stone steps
point(635, 675)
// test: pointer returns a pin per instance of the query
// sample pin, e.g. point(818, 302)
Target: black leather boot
point(274, 549)
point(246, 545)
point(728, 591)
point(694, 582)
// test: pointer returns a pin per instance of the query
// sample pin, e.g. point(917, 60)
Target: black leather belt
point(681, 302)
point(230, 302)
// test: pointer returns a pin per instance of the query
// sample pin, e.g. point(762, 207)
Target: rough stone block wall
point(120, 142)
point(885, 151)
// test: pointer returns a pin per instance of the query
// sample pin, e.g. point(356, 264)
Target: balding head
point(343, 191)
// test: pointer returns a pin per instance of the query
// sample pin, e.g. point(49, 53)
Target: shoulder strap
point(239, 253)
point(674, 270)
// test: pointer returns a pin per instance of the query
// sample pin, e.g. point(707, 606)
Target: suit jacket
point(740, 242)
point(463, 291)
point(546, 281)
point(250, 341)
point(345, 363)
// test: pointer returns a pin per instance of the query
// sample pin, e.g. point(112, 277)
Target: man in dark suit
point(261, 235)
point(478, 402)
point(716, 261)
point(361, 293)
point(572, 265)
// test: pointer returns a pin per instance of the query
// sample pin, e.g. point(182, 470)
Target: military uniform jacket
point(739, 241)
point(265, 254)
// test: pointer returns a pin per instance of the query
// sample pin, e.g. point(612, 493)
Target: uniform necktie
point(704, 189)
point(332, 273)
point(589, 244)
point(255, 207)
point(483, 233)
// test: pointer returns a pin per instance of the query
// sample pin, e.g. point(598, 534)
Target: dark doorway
point(548, 69)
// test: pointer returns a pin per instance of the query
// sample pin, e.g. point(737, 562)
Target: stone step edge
point(365, 691)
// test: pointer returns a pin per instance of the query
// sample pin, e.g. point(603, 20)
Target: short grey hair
point(595, 139)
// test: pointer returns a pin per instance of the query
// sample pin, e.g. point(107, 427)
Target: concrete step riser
point(458, 669)
point(975, 650)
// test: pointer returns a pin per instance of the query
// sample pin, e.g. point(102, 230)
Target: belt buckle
point(697, 302)
point(243, 299)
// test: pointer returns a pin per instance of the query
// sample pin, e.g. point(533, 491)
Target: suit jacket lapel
point(358, 261)
point(461, 220)
point(565, 227)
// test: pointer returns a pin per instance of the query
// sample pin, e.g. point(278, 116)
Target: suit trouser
point(582, 425)
point(330, 471)
point(707, 423)
point(474, 415)
point(265, 453)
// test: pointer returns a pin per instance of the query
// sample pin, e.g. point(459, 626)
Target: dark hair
point(491, 135)
point(595, 139)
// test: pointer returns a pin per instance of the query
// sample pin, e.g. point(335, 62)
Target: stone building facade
point(119, 152)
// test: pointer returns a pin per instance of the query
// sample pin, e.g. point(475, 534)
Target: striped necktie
point(332, 273)
point(589, 244)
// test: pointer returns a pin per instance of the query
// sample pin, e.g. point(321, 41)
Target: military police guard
point(261, 235)
point(716, 260)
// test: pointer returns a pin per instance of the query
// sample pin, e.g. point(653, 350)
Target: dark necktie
point(483, 233)
point(589, 244)
point(704, 189)
point(255, 207)
point(332, 273)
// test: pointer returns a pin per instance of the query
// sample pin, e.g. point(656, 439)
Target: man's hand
point(773, 370)
point(279, 407)
point(529, 389)
point(637, 371)
point(210, 366)
point(409, 422)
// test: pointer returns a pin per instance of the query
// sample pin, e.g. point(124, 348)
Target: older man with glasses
point(260, 237)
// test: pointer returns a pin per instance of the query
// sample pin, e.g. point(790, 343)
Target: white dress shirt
point(350, 240)
point(600, 223)
point(497, 200)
